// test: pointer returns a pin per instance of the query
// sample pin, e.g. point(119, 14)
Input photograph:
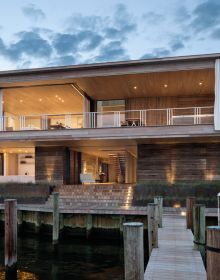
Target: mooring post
point(88, 225)
point(10, 238)
point(134, 251)
point(213, 253)
point(190, 202)
point(56, 225)
point(199, 228)
point(20, 220)
point(37, 222)
point(159, 200)
point(152, 209)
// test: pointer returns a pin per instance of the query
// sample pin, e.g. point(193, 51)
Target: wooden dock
point(175, 258)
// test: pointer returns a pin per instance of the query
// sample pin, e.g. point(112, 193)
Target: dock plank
point(175, 258)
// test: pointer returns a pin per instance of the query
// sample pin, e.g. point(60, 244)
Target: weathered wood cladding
point(161, 102)
point(172, 162)
point(51, 164)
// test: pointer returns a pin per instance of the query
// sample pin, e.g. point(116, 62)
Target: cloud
point(206, 16)
point(33, 12)
point(153, 18)
point(62, 60)
point(29, 43)
point(111, 52)
point(216, 34)
point(157, 53)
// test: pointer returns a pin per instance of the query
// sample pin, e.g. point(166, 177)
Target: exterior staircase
point(94, 196)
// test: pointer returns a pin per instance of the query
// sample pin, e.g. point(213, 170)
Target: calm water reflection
point(75, 259)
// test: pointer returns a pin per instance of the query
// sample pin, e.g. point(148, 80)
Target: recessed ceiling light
point(165, 85)
point(21, 100)
point(200, 83)
point(56, 96)
point(62, 100)
point(135, 87)
point(40, 99)
point(59, 98)
point(26, 151)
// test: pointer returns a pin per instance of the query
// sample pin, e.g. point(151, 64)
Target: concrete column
point(134, 251)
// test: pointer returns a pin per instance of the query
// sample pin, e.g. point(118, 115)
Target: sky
point(44, 33)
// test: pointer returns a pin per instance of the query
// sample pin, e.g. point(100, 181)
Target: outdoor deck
point(175, 258)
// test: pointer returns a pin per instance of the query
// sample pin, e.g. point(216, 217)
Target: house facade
point(125, 122)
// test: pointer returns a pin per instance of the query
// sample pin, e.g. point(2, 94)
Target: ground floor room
point(109, 162)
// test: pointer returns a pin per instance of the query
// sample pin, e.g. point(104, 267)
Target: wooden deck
point(175, 258)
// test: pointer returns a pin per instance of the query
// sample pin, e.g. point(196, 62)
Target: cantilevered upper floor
point(169, 97)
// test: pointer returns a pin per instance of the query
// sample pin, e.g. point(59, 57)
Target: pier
point(175, 258)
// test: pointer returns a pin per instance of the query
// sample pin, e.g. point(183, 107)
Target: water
point(75, 259)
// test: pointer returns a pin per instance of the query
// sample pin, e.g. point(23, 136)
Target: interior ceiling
point(42, 99)
point(56, 99)
point(179, 83)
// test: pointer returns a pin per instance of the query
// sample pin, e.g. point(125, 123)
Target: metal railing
point(127, 118)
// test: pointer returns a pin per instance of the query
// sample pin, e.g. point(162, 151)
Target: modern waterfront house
point(154, 119)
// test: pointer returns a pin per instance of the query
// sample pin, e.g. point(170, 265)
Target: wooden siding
point(159, 102)
point(50, 164)
point(171, 162)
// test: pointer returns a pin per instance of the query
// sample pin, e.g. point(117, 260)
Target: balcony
point(111, 119)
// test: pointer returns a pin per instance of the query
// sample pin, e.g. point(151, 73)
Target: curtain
point(217, 95)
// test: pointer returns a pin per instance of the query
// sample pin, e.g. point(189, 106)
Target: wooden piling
point(152, 209)
point(10, 238)
point(199, 228)
point(134, 251)
point(37, 222)
point(56, 225)
point(213, 253)
point(190, 202)
point(88, 225)
point(159, 200)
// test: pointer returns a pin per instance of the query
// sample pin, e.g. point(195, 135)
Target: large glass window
point(110, 112)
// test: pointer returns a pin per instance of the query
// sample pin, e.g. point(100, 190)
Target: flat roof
point(191, 58)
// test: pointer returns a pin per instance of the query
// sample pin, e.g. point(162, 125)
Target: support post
point(190, 202)
point(152, 209)
point(37, 222)
point(10, 238)
point(88, 225)
point(20, 220)
point(199, 228)
point(56, 225)
point(213, 253)
point(134, 251)
point(159, 200)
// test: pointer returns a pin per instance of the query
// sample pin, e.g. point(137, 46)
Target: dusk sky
point(42, 33)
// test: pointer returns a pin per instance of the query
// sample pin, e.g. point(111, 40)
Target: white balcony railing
point(128, 118)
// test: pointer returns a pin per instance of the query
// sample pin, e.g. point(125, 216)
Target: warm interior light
point(200, 83)
point(165, 85)
point(56, 96)
point(21, 100)
point(62, 100)
point(59, 98)
point(2, 102)
point(40, 99)
point(177, 205)
point(183, 213)
point(135, 87)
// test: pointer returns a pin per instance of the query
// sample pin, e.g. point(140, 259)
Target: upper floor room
point(176, 91)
